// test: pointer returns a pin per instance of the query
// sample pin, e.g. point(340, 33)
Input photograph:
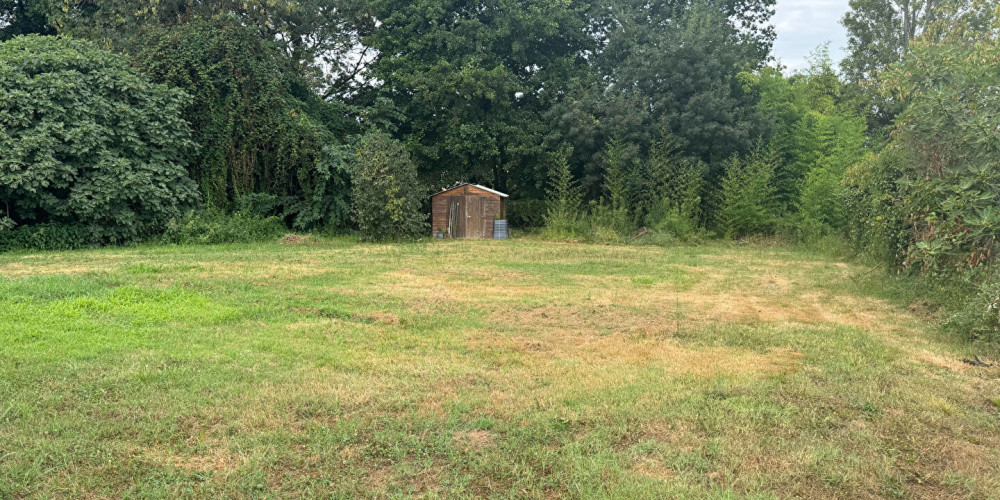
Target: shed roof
point(484, 188)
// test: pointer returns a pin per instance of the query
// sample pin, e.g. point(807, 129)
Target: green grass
point(459, 369)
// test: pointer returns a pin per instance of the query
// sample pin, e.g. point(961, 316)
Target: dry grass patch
point(474, 440)
point(218, 459)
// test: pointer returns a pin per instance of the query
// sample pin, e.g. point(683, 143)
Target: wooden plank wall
point(481, 205)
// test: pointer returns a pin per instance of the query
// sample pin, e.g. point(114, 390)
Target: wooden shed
point(467, 211)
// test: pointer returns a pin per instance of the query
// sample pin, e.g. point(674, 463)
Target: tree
point(879, 33)
point(617, 174)
point(311, 33)
point(387, 195)
point(257, 132)
point(687, 65)
point(21, 17)
point(85, 140)
point(470, 80)
point(670, 185)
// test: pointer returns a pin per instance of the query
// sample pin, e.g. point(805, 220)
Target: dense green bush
point(978, 318)
point(86, 141)
point(949, 136)
point(48, 237)
point(874, 208)
point(526, 212)
point(747, 205)
point(213, 226)
point(668, 185)
point(387, 196)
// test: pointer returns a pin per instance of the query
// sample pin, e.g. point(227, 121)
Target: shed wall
point(477, 207)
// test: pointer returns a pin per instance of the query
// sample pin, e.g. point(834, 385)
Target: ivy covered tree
point(86, 141)
point(259, 127)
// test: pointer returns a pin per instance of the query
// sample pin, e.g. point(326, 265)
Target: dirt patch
point(473, 440)
point(939, 360)
point(377, 479)
point(587, 355)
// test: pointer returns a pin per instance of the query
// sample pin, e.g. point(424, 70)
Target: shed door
point(456, 217)
point(474, 216)
point(491, 209)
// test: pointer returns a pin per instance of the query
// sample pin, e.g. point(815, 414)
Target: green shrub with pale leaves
point(86, 142)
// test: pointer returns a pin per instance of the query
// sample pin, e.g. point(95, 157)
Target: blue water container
point(500, 231)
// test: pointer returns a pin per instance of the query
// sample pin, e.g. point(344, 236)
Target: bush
point(619, 173)
point(387, 196)
point(48, 237)
point(979, 316)
point(213, 226)
point(85, 141)
point(564, 196)
point(747, 201)
point(526, 212)
point(874, 208)
point(670, 185)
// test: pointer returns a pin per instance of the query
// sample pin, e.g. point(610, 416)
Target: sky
point(805, 24)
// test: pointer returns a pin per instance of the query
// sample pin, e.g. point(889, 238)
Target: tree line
point(606, 120)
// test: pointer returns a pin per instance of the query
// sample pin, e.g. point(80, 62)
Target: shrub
point(213, 226)
point(874, 208)
point(746, 199)
point(526, 212)
point(48, 237)
point(387, 195)
point(85, 141)
point(564, 196)
point(671, 186)
point(978, 318)
point(618, 175)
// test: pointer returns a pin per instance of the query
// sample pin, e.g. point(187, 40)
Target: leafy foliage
point(747, 204)
point(85, 140)
point(618, 175)
point(564, 199)
point(387, 194)
point(258, 134)
point(670, 186)
point(47, 236)
point(214, 226)
point(951, 183)
point(470, 78)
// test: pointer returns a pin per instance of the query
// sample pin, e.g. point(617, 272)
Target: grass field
point(456, 369)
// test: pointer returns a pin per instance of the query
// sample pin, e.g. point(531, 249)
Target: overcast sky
point(803, 25)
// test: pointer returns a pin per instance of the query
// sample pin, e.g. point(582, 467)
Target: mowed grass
point(518, 369)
